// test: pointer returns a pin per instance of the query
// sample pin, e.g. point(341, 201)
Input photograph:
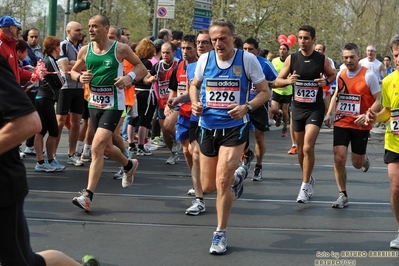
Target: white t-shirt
point(373, 65)
point(251, 66)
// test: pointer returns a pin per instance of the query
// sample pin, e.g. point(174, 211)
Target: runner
point(358, 90)
point(103, 60)
point(305, 70)
point(222, 76)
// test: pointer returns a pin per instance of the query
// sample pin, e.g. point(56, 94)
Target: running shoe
point(128, 176)
point(83, 201)
point(341, 202)
point(246, 158)
point(176, 146)
point(90, 260)
point(219, 243)
point(191, 192)
point(58, 167)
point(240, 175)
point(278, 118)
point(173, 158)
point(143, 152)
point(284, 132)
point(395, 243)
point(149, 146)
point(30, 151)
point(305, 195)
point(196, 208)
point(132, 151)
point(86, 157)
point(293, 150)
point(75, 160)
point(119, 174)
point(312, 182)
point(257, 174)
point(158, 141)
point(45, 167)
point(366, 164)
point(21, 153)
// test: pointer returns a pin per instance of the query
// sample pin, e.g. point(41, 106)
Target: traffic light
point(80, 5)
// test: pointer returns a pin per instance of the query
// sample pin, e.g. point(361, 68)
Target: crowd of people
point(196, 94)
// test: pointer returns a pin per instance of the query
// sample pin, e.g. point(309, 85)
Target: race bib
point(164, 89)
point(348, 104)
point(220, 93)
point(306, 91)
point(102, 97)
point(395, 121)
point(181, 88)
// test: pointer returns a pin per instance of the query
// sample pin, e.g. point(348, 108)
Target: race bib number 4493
point(220, 93)
point(102, 97)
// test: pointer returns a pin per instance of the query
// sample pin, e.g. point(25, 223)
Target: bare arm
point(124, 52)
point(79, 66)
point(284, 78)
point(194, 89)
point(26, 126)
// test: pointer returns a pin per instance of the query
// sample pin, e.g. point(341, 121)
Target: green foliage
point(336, 21)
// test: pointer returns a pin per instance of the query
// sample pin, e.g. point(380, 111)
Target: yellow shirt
point(390, 99)
point(278, 65)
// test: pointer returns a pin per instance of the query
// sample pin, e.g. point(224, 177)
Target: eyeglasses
point(203, 42)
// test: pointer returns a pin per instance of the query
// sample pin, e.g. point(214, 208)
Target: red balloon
point(282, 37)
point(292, 39)
point(289, 43)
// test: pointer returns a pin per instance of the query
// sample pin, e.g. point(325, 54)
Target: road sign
point(166, 2)
point(201, 22)
point(203, 6)
point(202, 14)
point(162, 11)
point(205, 1)
point(166, 12)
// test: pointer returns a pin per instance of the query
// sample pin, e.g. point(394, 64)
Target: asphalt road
point(146, 225)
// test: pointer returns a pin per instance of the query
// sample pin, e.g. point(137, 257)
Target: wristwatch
point(78, 78)
point(327, 81)
point(249, 106)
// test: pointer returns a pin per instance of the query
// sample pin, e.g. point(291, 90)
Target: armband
point(132, 75)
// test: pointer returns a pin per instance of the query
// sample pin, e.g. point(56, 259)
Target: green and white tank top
point(105, 68)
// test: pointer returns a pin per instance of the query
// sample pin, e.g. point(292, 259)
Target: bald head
point(124, 39)
point(74, 31)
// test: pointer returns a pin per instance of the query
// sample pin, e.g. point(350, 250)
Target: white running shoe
point(219, 243)
point(30, 151)
point(45, 167)
point(341, 202)
point(196, 208)
point(128, 176)
point(191, 192)
point(173, 158)
point(395, 243)
point(149, 146)
point(75, 160)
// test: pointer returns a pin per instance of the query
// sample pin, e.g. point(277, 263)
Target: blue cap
point(7, 21)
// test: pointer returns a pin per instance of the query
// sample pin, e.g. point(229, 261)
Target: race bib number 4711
point(220, 93)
